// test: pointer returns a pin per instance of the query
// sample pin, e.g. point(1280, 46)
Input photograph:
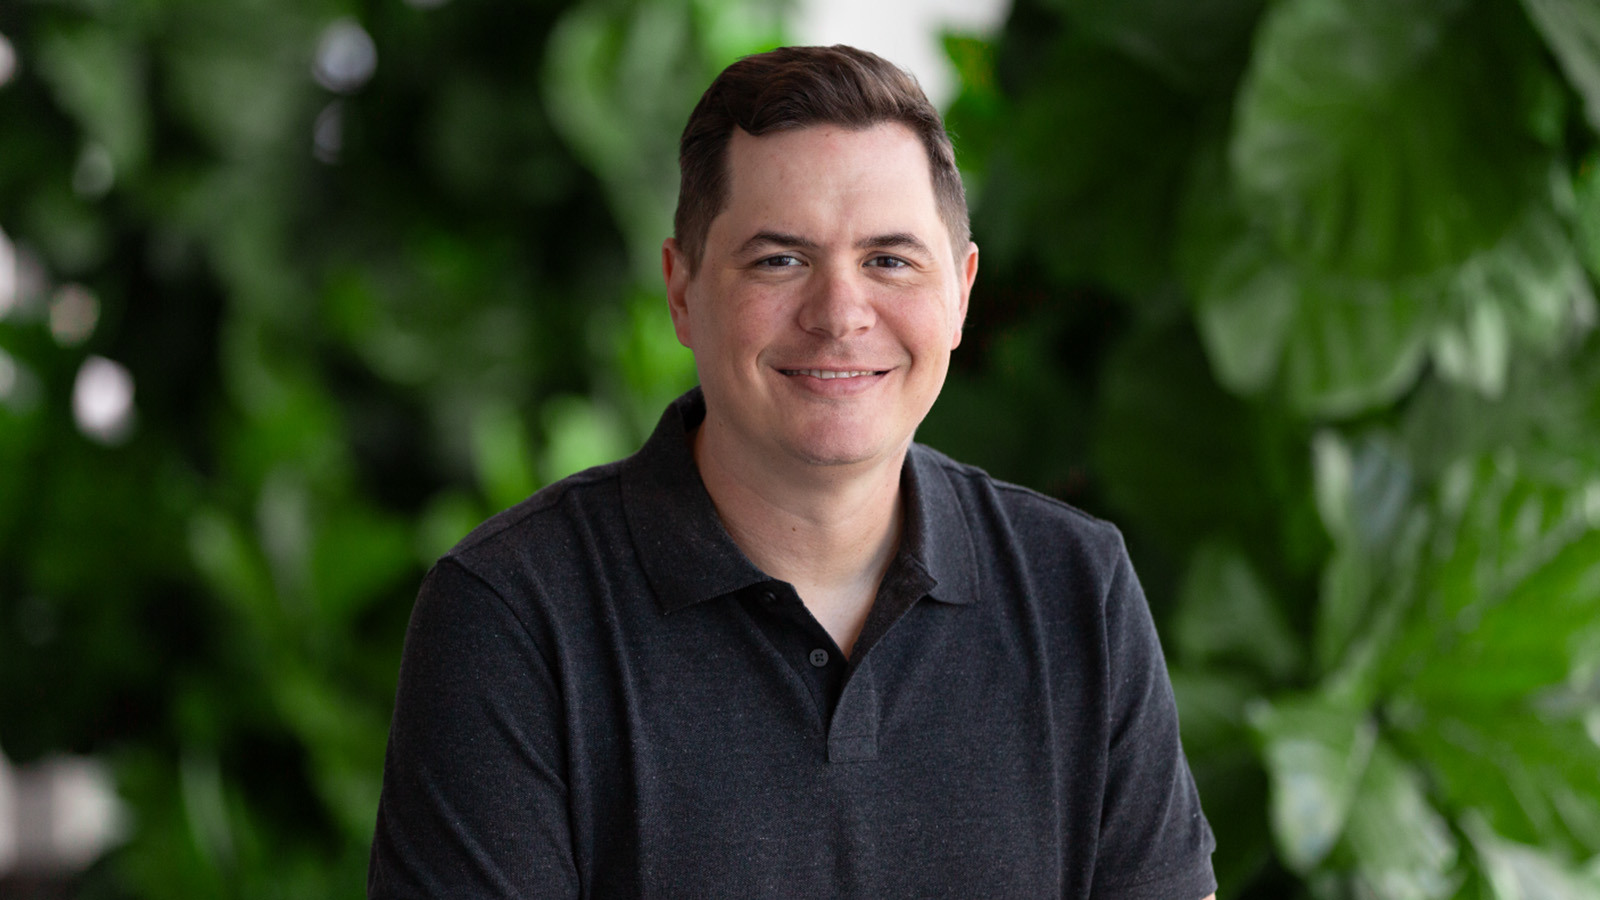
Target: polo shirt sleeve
point(474, 800)
point(1155, 843)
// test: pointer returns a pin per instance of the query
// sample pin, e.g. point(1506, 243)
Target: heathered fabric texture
point(602, 697)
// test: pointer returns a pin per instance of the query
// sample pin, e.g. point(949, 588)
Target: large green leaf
point(1353, 345)
point(1196, 44)
point(1521, 872)
point(1227, 613)
point(1365, 497)
point(1587, 201)
point(1463, 614)
point(1530, 285)
point(1399, 845)
point(1082, 181)
point(1316, 751)
point(1363, 489)
point(1341, 345)
point(1380, 138)
point(1512, 564)
point(1247, 306)
point(1483, 677)
point(1572, 29)
point(1533, 779)
point(1549, 414)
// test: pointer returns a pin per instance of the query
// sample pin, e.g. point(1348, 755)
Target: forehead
point(828, 176)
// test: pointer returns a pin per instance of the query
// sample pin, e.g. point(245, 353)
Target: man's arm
point(474, 783)
point(1155, 842)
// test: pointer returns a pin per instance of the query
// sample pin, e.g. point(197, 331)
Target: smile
point(828, 373)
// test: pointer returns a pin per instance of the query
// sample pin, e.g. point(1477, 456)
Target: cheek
point(729, 335)
point(755, 322)
point(927, 328)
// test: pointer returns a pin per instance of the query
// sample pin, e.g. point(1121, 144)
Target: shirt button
point(769, 596)
point(819, 657)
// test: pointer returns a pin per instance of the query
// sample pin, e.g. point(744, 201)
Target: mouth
point(826, 374)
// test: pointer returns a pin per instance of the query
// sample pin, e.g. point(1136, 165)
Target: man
point(783, 651)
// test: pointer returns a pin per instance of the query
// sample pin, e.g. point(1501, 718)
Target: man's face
point(828, 298)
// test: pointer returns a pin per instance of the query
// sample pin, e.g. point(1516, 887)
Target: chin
point(833, 460)
point(844, 451)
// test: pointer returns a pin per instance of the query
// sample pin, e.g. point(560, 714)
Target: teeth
point(826, 373)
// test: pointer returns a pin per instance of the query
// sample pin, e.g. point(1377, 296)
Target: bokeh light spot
point(74, 312)
point(8, 61)
point(102, 400)
point(346, 57)
point(8, 275)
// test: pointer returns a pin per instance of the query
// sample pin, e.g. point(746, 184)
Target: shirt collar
point(936, 536)
point(689, 557)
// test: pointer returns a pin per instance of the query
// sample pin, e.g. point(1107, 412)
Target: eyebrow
point(902, 240)
point(893, 240)
point(763, 239)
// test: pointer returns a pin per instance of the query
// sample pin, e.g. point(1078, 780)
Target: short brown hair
point(794, 87)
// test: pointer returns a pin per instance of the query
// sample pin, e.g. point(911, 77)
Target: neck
point(830, 531)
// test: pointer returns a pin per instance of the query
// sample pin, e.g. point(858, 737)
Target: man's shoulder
point(591, 495)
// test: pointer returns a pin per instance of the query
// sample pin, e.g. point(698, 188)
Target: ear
point(675, 270)
point(967, 271)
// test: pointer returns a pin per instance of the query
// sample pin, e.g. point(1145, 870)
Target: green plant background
point(1299, 293)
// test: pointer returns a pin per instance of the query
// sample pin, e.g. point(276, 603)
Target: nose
point(837, 305)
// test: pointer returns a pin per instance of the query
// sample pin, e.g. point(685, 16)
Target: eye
point(887, 262)
point(781, 261)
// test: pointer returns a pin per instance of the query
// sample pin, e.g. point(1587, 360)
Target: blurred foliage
point(360, 315)
point(1300, 294)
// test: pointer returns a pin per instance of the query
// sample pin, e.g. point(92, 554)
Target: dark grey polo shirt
point(602, 697)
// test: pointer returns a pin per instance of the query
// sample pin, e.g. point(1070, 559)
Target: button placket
point(853, 733)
